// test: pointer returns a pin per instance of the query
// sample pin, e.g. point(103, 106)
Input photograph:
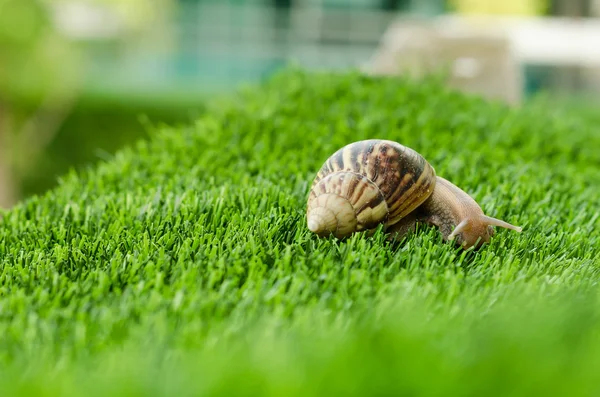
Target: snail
point(372, 182)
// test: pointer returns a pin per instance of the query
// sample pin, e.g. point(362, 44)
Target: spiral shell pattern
point(367, 183)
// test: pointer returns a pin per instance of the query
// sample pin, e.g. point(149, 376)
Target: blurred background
point(81, 78)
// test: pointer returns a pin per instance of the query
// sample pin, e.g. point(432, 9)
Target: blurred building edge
point(476, 61)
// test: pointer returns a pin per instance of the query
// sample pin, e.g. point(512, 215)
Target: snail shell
point(365, 184)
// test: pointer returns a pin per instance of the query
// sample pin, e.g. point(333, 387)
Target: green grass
point(183, 266)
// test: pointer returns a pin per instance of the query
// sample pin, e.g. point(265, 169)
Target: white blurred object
point(478, 61)
point(83, 20)
point(540, 40)
point(466, 67)
point(101, 19)
point(485, 54)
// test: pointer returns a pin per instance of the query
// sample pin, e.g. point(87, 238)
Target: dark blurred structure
point(162, 59)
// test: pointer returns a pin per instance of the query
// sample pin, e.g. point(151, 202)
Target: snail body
point(379, 182)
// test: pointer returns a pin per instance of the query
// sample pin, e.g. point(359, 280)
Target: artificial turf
point(183, 265)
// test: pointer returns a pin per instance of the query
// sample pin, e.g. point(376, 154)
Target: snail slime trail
point(373, 182)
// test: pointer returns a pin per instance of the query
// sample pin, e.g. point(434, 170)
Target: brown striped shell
point(365, 184)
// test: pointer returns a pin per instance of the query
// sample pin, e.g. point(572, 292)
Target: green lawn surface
point(182, 266)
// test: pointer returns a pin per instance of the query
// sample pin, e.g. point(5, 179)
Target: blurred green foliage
point(99, 125)
point(51, 118)
point(40, 77)
point(36, 60)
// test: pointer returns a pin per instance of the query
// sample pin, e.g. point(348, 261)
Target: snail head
point(475, 231)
